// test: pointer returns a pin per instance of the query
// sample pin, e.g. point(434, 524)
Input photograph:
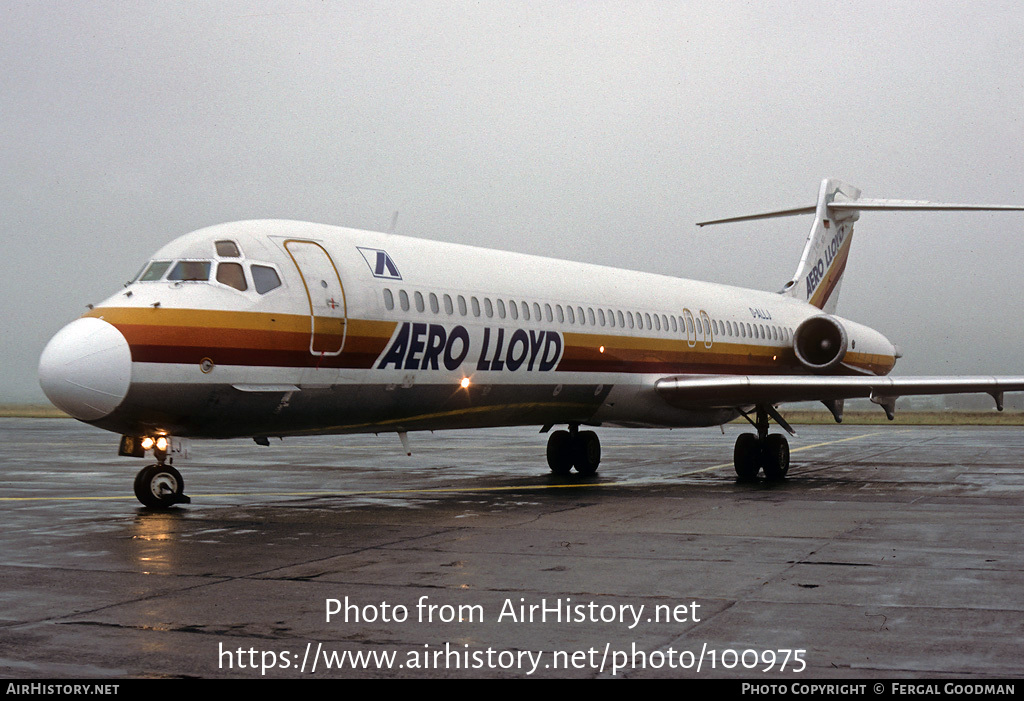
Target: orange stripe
point(192, 319)
point(833, 275)
point(184, 333)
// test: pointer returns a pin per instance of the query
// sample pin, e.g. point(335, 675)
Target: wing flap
point(726, 391)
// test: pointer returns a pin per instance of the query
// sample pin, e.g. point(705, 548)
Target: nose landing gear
point(157, 486)
point(160, 486)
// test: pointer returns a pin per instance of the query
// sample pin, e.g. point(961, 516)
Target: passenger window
point(558, 311)
point(190, 271)
point(513, 309)
point(433, 303)
point(547, 313)
point(155, 271)
point(462, 306)
point(526, 311)
point(488, 307)
point(536, 312)
point(403, 300)
point(264, 278)
point(600, 316)
point(622, 321)
point(657, 323)
point(501, 309)
point(227, 249)
point(571, 313)
point(418, 298)
point(629, 317)
point(476, 306)
point(389, 299)
point(579, 315)
point(448, 307)
point(232, 275)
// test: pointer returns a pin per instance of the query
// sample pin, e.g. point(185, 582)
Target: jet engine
point(820, 343)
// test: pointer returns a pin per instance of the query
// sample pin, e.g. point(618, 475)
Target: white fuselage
point(370, 332)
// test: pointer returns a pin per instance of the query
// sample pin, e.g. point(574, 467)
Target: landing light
point(601, 349)
point(147, 443)
point(161, 443)
point(465, 382)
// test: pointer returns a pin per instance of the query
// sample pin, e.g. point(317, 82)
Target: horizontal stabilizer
point(862, 205)
point(876, 205)
point(820, 272)
point(765, 215)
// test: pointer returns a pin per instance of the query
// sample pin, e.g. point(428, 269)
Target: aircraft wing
point(731, 391)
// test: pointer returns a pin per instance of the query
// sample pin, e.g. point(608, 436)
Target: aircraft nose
point(86, 368)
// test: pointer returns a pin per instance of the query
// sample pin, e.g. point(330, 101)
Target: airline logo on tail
point(834, 252)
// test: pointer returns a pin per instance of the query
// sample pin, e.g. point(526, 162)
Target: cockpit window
point(232, 275)
point(227, 249)
point(190, 270)
point(155, 271)
point(264, 278)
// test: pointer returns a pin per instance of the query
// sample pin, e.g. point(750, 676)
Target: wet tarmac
point(889, 552)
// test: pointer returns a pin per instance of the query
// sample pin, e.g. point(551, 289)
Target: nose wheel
point(160, 487)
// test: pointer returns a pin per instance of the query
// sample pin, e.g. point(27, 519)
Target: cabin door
point(326, 296)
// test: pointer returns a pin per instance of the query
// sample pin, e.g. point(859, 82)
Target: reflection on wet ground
point(888, 552)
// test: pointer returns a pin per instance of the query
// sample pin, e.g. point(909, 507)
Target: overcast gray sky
point(597, 131)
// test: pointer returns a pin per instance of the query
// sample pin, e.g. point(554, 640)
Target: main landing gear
point(754, 453)
point(160, 486)
point(574, 448)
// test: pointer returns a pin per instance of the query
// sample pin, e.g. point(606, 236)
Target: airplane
point(275, 328)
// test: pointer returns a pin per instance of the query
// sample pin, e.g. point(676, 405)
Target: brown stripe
point(835, 274)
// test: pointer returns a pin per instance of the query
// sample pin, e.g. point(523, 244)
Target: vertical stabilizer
point(839, 205)
point(820, 273)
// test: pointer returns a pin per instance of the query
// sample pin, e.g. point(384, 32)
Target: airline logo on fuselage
point(817, 273)
point(381, 264)
point(421, 346)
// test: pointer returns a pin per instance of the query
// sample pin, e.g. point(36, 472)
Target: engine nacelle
point(820, 343)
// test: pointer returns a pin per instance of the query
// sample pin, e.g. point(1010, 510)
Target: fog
point(595, 131)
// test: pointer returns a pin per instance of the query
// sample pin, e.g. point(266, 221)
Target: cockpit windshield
point(155, 271)
point(229, 273)
point(190, 270)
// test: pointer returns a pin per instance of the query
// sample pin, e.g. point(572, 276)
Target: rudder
point(820, 273)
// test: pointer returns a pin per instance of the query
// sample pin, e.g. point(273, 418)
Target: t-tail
point(820, 273)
